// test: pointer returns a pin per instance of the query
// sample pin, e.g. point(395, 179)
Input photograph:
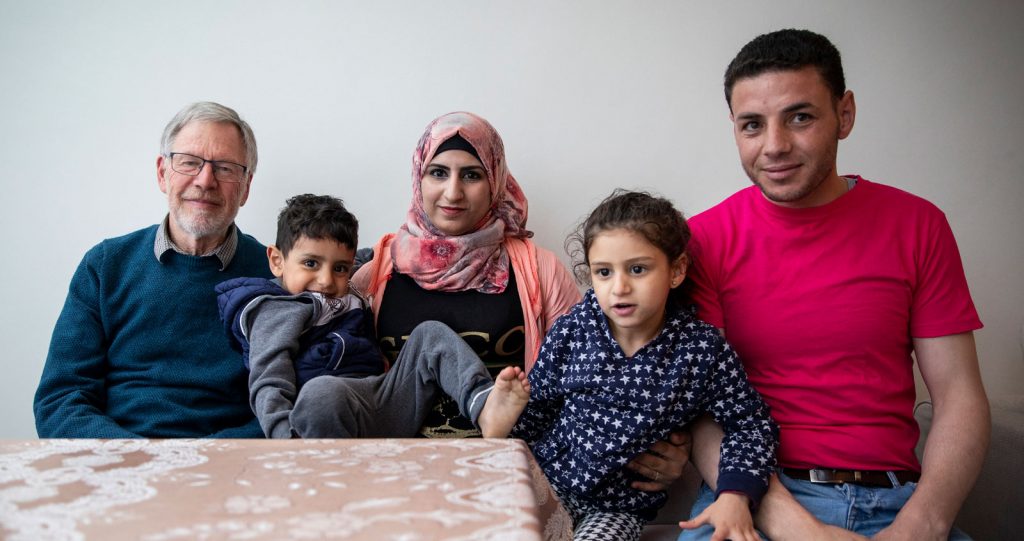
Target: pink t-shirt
point(822, 303)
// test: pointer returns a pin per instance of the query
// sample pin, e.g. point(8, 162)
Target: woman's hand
point(663, 463)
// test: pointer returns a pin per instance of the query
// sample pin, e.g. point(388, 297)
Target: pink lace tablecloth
point(163, 490)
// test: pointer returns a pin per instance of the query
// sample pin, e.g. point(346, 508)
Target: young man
point(825, 285)
point(138, 350)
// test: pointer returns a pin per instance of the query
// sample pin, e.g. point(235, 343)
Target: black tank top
point(491, 324)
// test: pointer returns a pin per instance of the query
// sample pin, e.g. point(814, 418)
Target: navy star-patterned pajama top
point(592, 410)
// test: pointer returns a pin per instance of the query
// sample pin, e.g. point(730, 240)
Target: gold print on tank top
point(477, 340)
point(391, 352)
point(499, 346)
point(444, 420)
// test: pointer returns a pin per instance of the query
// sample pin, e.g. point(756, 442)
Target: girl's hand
point(730, 515)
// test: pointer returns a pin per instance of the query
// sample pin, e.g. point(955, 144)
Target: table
point(165, 490)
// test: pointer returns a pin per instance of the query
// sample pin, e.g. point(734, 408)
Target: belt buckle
point(825, 477)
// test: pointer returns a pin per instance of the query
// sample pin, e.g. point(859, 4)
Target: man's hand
point(663, 463)
point(912, 529)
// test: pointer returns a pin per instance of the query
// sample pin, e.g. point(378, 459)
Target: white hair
point(208, 111)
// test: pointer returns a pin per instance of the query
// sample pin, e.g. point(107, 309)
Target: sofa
point(995, 507)
point(680, 497)
point(994, 510)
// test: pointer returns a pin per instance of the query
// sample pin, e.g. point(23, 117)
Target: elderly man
point(139, 350)
point(825, 285)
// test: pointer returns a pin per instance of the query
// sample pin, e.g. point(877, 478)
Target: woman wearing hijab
point(464, 257)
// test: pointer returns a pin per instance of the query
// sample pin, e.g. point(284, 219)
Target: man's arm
point(956, 444)
point(70, 401)
point(780, 516)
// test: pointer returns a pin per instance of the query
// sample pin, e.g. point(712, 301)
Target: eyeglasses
point(187, 164)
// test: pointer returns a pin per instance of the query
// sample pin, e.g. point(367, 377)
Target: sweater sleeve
point(273, 326)
point(70, 401)
point(546, 396)
point(751, 436)
point(251, 429)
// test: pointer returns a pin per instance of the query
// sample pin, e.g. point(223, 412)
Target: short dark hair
point(316, 217)
point(785, 50)
point(654, 218)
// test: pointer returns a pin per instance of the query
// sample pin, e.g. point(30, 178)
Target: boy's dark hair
point(650, 216)
point(316, 217)
point(785, 50)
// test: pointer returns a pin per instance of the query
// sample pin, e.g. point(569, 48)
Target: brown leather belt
point(866, 478)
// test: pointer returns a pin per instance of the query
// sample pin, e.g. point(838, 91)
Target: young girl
point(628, 365)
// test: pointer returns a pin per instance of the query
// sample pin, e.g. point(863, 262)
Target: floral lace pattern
point(163, 490)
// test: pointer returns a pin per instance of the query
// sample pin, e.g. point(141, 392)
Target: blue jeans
point(864, 510)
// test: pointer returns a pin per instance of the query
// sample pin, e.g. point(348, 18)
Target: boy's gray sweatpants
point(395, 404)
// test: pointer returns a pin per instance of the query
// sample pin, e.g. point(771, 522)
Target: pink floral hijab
point(476, 260)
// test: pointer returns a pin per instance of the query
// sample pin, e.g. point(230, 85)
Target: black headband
point(456, 142)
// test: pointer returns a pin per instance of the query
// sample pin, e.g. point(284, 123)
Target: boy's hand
point(730, 515)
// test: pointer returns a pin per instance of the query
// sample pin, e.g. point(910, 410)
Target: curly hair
point(316, 217)
point(653, 217)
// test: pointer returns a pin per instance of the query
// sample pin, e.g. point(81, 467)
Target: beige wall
point(589, 96)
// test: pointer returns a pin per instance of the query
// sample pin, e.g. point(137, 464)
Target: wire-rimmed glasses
point(190, 165)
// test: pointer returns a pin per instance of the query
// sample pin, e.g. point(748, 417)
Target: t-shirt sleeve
point(702, 275)
point(941, 303)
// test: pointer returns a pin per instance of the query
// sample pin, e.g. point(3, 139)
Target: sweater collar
point(224, 253)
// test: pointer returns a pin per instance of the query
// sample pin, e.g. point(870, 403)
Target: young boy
point(305, 324)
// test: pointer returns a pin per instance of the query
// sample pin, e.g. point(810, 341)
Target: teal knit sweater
point(139, 349)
